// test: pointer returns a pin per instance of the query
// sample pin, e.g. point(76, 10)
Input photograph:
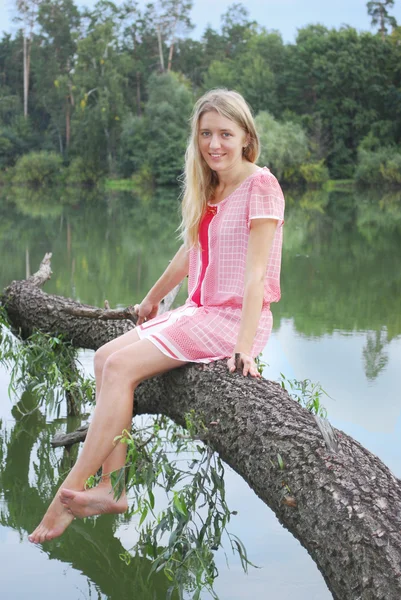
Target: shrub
point(6, 148)
point(382, 167)
point(37, 168)
point(391, 170)
point(315, 173)
point(157, 141)
point(80, 172)
point(284, 145)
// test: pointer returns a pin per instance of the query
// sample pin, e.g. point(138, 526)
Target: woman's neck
point(235, 176)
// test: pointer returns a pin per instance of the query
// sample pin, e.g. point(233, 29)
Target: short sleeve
point(266, 199)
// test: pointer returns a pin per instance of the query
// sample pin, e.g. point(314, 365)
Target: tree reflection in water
point(94, 551)
point(374, 357)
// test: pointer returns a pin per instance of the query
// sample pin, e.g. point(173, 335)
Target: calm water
point(339, 322)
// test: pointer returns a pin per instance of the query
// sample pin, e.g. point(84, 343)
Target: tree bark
point(138, 94)
point(171, 51)
point(26, 75)
point(339, 500)
point(160, 46)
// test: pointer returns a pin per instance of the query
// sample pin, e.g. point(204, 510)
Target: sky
point(286, 16)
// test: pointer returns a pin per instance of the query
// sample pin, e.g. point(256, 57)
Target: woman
point(232, 233)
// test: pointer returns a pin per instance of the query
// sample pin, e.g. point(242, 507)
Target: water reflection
point(374, 355)
point(93, 551)
point(341, 258)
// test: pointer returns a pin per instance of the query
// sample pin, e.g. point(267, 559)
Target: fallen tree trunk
point(339, 500)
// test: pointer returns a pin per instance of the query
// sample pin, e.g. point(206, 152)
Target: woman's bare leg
point(100, 500)
point(116, 459)
point(123, 371)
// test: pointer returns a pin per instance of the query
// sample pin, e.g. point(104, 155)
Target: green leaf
point(143, 516)
point(179, 505)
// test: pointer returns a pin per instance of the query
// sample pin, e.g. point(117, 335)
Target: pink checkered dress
point(207, 332)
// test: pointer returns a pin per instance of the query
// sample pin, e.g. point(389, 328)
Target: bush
point(157, 141)
point(284, 145)
point(382, 167)
point(37, 168)
point(391, 170)
point(315, 173)
point(80, 172)
point(6, 148)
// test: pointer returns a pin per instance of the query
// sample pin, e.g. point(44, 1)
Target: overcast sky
point(285, 15)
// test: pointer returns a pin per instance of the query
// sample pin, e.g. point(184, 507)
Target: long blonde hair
point(199, 179)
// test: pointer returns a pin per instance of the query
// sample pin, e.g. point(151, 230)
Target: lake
point(338, 323)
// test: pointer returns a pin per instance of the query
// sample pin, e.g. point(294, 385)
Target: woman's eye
point(226, 134)
point(204, 133)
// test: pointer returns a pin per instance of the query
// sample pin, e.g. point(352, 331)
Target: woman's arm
point(260, 242)
point(175, 272)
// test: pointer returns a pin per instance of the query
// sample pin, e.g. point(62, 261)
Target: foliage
point(260, 365)
point(380, 167)
point(315, 173)
point(94, 70)
point(181, 539)
point(325, 61)
point(81, 172)
point(307, 393)
point(37, 168)
point(380, 16)
point(157, 141)
point(16, 135)
point(284, 145)
point(197, 514)
point(53, 60)
point(45, 365)
point(101, 84)
point(391, 169)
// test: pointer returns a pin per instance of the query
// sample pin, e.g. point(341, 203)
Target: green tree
point(102, 96)
point(380, 15)
point(236, 28)
point(27, 16)
point(156, 142)
point(59, 22)
point(284, 145)
point(324, 62)
point(221, 73)
point(16, 132)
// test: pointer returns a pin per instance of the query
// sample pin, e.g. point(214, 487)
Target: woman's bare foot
point(95, 501)
point(53, 524)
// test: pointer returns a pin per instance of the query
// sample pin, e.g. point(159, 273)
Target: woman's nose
point(214, 141)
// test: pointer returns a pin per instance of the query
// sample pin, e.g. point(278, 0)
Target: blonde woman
point(232, 216)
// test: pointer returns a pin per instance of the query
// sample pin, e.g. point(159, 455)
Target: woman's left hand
point(244, 363)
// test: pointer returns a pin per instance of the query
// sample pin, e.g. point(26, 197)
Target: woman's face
point(221, 141)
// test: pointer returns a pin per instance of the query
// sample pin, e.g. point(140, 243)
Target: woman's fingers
point(231, 365)
point(244, 363)
point(146, 311)
point(140, 313)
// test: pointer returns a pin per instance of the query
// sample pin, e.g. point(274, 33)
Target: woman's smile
point(220, 140)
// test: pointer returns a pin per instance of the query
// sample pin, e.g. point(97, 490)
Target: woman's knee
point(117, 368)
point(101, 356)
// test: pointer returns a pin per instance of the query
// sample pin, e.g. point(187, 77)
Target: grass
point(336, 185)
point(120, 184)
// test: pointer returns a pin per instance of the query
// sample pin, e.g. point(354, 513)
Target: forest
point(107, 92)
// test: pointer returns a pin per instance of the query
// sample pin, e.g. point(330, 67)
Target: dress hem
point(166, 347)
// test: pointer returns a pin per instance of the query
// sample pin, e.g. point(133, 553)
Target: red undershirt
point(204, 244)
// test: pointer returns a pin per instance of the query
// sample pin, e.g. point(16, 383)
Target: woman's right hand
point(146, 310)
